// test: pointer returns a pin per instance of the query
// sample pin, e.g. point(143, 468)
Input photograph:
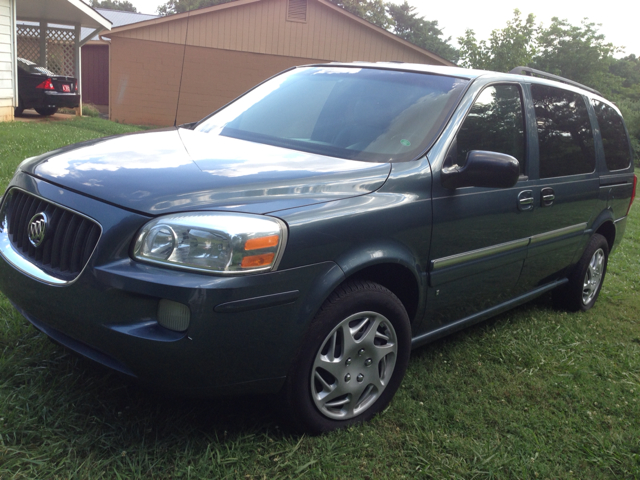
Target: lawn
point(533, 393)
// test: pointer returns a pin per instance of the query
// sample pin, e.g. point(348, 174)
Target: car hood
point(177, 169)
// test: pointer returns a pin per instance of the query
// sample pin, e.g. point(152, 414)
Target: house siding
point(262, 27)
point(181, 69)
point(7, 60)
point(145, 80)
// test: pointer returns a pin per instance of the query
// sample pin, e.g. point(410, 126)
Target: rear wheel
point(47, 111)
point(585, 282)
point(352, 360)
point(19, 109)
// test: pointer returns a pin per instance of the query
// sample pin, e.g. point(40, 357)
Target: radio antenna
point(184, 54)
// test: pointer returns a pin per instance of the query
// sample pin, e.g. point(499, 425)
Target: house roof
point(64, 12)
point(239, 3)
point(117, 18)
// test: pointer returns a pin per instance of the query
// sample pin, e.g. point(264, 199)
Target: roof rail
point(532, 71)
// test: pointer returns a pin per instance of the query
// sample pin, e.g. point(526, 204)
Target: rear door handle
point(525, 200)
point(547, 197)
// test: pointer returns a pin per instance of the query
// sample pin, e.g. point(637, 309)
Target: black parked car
point(43, 90)
point(304, 238)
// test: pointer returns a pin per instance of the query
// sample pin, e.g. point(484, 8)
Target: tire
point(45, 112)
point(587, 277)
point(18, 111)
point(351, 361)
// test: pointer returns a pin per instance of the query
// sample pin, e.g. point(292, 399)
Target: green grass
point(533, 393)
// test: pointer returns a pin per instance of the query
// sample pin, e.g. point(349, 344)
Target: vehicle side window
point(614, 137)
point(495, 123)
point(565, 137)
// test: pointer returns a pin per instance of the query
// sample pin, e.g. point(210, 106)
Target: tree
point(179, 6)
point(423, 33)
point(510, 47)
point(122, 5)
point(578, 52)
point(373, 11)
point(628, 70)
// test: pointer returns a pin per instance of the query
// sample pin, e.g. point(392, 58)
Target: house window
point(297, 10)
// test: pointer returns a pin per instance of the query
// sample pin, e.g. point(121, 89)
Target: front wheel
point(352, 360)
point(585, 282)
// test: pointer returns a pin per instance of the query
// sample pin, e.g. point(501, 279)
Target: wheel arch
point(393, 266)
point(605, 226)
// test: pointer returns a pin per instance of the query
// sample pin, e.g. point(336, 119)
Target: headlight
point(224, 243)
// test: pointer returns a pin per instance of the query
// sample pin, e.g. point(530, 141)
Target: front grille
point(68, 244)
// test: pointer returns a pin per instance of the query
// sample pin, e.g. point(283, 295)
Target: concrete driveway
point(30, 115)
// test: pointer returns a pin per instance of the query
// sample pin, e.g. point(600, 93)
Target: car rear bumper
point(49, 99)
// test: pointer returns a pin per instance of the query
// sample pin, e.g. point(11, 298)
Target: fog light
point(173, 315)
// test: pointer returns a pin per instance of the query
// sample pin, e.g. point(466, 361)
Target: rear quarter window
point(565, 136)
point(617, 153)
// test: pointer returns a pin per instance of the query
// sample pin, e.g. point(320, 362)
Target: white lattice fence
point(60, 48)
point(28, 40)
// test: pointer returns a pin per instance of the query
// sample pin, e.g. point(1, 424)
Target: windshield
point(31, 67)
point(355, 113)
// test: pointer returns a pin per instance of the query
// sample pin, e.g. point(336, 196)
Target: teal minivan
point(301, 240)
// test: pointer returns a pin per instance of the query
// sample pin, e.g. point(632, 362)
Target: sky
point(619, 18)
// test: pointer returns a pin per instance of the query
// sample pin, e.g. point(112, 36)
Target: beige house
point(178, 69)
point(46, 32)
point(8, 87)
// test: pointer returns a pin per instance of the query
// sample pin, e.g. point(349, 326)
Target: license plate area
point(66, 88)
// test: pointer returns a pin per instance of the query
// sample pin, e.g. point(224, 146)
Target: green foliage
point(507, 48)
point(631, 112)
point(627, 69)
point(402, 20)
point(122, 5)
point(406, 23)
point(373, 11)
point(576, 52)
point(179, 6)
point(89, 110)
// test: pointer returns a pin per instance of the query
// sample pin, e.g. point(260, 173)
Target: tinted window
point(494, 123)
point(564, 132)
point(356, 113)
point(614, 137)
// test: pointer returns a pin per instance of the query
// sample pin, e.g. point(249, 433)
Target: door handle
point(525, 200)
point(547, 197)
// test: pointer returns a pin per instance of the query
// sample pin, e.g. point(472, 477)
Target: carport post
point(43, 44)
point(78, 65)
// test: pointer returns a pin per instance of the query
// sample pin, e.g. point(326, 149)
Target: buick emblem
point(38, 229)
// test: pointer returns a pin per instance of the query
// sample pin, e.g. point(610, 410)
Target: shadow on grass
point(77, 398)
point(59, 395)
point(516, 316)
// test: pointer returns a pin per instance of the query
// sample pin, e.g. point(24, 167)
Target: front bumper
point(244, 330)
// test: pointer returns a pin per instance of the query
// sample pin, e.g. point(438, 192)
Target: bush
point(88, 110)
point(631, 112)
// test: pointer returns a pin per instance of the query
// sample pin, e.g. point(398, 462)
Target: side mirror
point(482, 169)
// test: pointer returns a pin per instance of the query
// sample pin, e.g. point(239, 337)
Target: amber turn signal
point(254, 261)
point(262, 242)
